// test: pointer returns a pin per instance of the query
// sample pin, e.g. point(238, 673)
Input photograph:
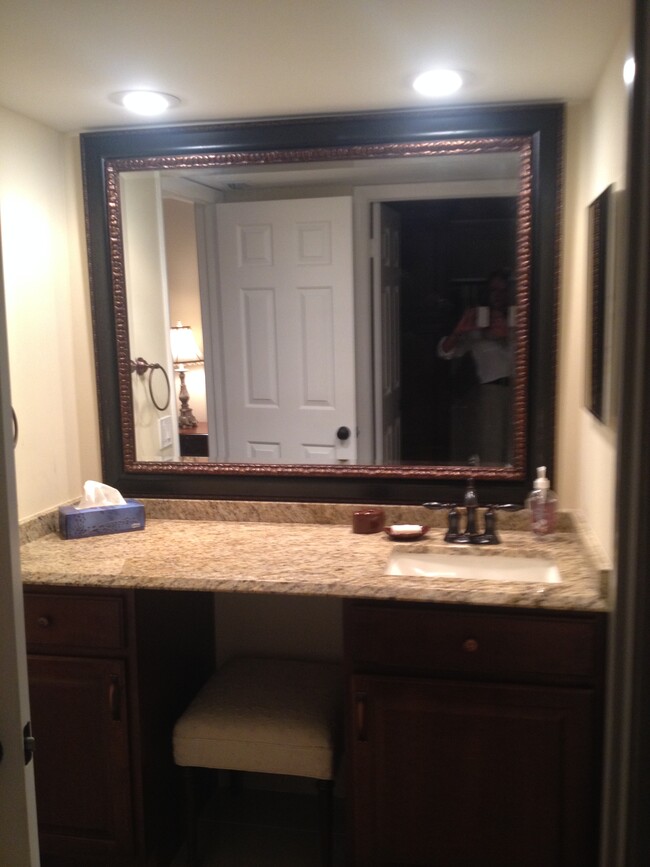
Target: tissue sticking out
point(96, 494)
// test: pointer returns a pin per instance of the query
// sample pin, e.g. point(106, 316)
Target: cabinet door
point(81, 763)
point(449, 774)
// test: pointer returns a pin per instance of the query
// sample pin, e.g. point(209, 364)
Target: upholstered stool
point(271, 716)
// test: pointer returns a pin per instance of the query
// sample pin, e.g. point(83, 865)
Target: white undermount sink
point(494, 567)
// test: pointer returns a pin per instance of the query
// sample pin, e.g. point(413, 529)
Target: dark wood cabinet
point(109, 673)
point(194, 441)
point(82, 772)
point(474, 737)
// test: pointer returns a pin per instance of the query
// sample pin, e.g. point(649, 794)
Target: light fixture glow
point(438, 82)
point(183, 345)
point(629, 68)
point(146, 102)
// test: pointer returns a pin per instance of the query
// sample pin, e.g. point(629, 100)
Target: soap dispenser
point(542, 505)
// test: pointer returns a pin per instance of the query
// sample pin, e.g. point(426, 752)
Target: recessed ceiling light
point(629, 68)
point(145, 102)
point(438, 82)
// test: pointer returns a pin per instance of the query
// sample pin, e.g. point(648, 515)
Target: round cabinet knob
point(470, 645)
point(44, 622)
point(343, 433)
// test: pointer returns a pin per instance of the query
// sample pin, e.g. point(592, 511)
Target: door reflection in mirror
point(426, 412)
point(285, 323)
point(280, 332)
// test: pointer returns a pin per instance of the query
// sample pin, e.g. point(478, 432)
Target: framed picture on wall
point(599, 331)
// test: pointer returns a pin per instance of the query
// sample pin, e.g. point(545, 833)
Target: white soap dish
point(406, 532)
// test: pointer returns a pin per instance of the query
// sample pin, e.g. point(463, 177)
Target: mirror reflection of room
point(447, 247)
point(481, 410)
point(161, 267)
point(185, 307)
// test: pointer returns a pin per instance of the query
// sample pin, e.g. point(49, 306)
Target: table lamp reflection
point(184, 352)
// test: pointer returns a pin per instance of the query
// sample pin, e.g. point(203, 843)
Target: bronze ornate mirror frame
point(534, 132)
point(449, 147)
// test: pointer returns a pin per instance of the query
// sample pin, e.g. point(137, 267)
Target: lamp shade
point(183, 345)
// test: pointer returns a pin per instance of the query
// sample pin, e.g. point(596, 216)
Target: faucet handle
point(453, 533)
point(453, 527)
point(489, 535)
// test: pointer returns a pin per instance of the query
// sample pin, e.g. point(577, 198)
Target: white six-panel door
point(287, 330)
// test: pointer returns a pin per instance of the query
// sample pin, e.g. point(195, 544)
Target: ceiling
point(502, 169)
point(225, 59)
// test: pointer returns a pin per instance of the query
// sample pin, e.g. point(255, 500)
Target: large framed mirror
point(371, 298)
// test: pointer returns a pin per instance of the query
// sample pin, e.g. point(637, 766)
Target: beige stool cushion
point(272, 716)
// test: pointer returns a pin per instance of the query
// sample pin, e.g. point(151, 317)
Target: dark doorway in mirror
point(448, 249)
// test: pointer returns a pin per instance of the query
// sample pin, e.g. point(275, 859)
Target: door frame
point(363, 197)
point(18, 827)
point(626, 835)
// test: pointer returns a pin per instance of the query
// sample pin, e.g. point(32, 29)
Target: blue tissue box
point(79, 523)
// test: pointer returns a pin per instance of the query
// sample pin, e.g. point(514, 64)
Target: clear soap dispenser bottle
point(542, 505)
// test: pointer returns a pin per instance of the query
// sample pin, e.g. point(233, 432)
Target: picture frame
point(599, 308)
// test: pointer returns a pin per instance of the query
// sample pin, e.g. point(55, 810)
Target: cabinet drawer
point(505, 644)
point(55, 621)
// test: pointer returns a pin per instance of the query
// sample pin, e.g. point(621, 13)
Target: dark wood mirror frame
point(398, 133)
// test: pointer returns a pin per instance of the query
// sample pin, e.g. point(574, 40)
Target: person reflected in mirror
point(484, 332)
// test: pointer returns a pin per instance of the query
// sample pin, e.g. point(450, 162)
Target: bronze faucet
point(471, 534)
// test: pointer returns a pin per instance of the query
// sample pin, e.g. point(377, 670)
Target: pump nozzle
point(541, 483)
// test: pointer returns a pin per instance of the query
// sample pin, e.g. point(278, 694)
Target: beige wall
point(48, 314)
point(148, 313)
point(595, 158)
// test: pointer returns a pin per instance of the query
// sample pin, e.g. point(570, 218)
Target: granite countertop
point(269, 549)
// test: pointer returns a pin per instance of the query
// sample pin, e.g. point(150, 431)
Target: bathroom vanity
point(475, 735)
point(110, 671)
point(474, 708)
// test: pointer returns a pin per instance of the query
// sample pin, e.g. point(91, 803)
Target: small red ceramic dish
point(406, 532)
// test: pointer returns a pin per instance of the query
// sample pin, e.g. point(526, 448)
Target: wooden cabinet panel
point(462, 774)
point(56, 622)
point(109, 673)
point(81, 763)
point(474, 735)
point(536, 645)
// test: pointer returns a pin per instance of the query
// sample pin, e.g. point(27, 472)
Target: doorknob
point(343, 433)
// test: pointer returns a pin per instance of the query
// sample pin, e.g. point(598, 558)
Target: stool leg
point(325, 794)
point(190, 817)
